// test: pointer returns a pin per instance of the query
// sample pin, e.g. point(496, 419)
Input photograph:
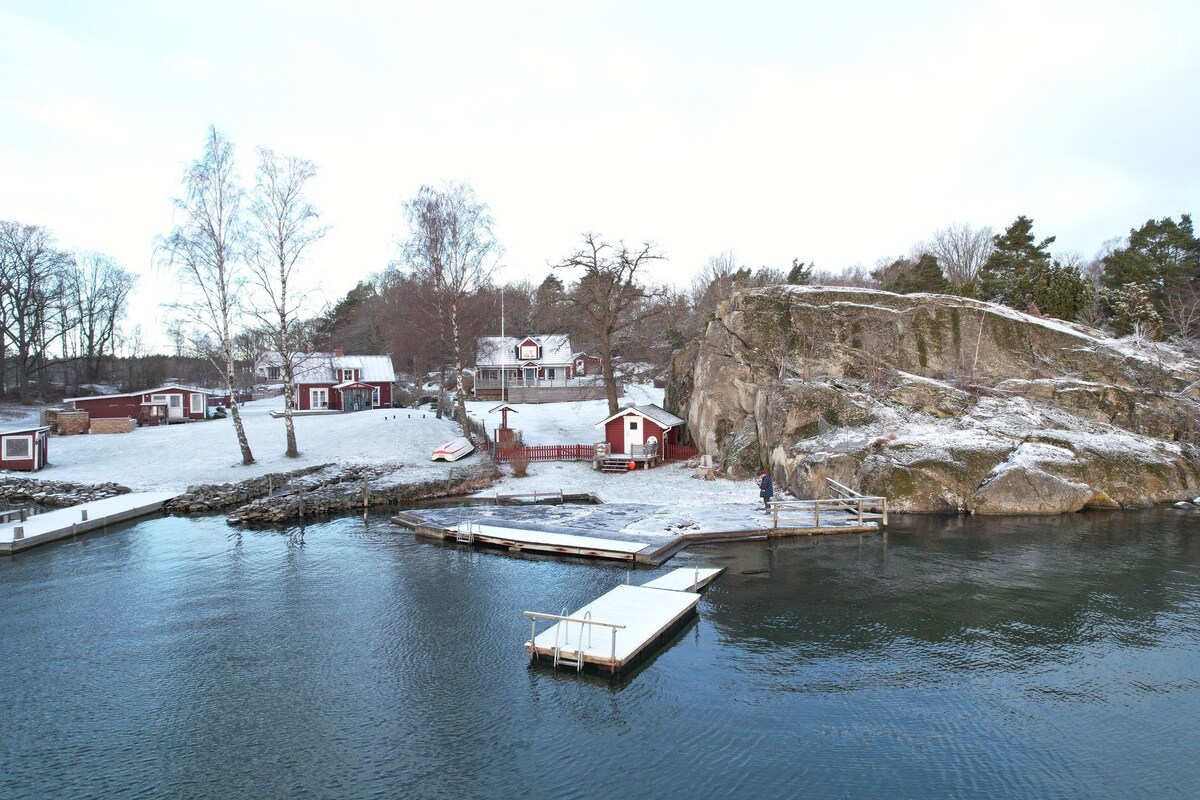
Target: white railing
point(564, 620)
point(538, 383)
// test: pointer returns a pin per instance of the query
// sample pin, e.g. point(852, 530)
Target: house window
point(18, 448)
point(273, 373)
point(375, 397)
point(529, 351)
point(318, 398)
point(197, 403)
point(347, 375)
point(633, 426)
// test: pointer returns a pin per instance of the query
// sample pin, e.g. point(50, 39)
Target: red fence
point(679, 452)
point(547, 452)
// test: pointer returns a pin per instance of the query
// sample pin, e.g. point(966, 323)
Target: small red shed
point(26, 449)
point(637, 426)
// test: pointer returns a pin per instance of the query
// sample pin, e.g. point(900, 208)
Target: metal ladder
point(559, 658)
point(466, 536)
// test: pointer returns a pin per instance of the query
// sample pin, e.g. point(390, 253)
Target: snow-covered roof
point(353, 385)
point(17, 431)
point(322, 368)
point(664, 418)
point(501, 351)
point(159, 390)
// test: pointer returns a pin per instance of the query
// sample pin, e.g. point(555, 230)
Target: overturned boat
point(454, 450)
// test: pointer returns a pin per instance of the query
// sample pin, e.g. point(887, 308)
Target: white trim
point(195, 400)
point(156, 390)
point(312, 398)
point(28, 439)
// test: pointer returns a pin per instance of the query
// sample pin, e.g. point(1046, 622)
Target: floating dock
point(519, 539)
point(66, 522)
point(615, 630)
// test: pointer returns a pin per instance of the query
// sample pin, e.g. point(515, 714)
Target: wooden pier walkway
point(62, 523)
point(615, 630)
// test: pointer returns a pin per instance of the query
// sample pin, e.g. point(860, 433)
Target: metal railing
point(564, 620)
point(845, 506)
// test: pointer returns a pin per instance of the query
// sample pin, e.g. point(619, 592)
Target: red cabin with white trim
point(634, 427)
point(26, 450)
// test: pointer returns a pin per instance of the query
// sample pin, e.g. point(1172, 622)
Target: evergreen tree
point(1132, 311)
point(799, 274)
point(905, 276)
point(1162, 256)
point(1021, 274)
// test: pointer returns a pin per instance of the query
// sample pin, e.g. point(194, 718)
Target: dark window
point(633, 425)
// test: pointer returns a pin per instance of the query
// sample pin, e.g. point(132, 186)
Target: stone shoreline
point(56, 494)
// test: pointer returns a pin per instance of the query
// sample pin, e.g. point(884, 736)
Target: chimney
point(337, 351)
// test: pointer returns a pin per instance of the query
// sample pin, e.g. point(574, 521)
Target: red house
point(641, 432)
point(585, 364)
point(26, 449)
point(166, 404)
point(337, 382)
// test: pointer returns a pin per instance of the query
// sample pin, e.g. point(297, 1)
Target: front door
point(318, 398)
point(530, 374)
point(633, 432)
point(174, 404)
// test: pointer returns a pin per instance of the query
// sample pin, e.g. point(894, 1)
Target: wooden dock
point(67, 522)
point(519, 539)
point(617, 629)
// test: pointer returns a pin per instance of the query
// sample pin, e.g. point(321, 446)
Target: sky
point(839, 133)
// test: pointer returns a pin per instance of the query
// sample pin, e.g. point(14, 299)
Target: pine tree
point(1163, 257)
point(800, 274)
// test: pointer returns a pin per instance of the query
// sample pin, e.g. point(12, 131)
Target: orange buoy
point(632, 465)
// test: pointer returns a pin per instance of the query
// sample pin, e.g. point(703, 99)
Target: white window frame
point(374, 397)
point(196, 403)
point(529, 352)
point(26, 440)
point(312, 399)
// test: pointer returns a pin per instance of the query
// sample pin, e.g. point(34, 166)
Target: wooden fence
point(679, 452)
point(547, 452)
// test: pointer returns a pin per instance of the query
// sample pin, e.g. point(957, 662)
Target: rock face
point(940, 403)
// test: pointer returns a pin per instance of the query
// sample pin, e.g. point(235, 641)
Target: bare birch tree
point(961, 250)
point(98, 292)
point(610, 295)
point(451, 245)
point(204, 252)
point(32, 271)
point(283, 226)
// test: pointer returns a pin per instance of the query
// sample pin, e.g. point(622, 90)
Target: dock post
point(860, 512)
point(366, 492)
point(817, 515)
point(83, 514)
point(885, 512)
point(18, 532)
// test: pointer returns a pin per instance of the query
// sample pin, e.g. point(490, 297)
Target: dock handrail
point(564, 620)
point(855, 507)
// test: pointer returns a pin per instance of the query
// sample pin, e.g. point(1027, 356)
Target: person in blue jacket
point(765, 488)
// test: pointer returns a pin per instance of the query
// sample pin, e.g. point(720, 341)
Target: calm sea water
point(1033, 658)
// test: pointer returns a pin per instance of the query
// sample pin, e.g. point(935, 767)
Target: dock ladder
point(465, 533)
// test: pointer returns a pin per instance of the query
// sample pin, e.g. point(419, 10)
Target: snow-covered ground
point(575, 423)
point(171, 458)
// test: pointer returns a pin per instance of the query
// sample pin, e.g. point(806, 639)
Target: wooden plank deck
point(617, 628)
point(686, 580)
point(544, 542)
point(625, 621)
point(65, 522)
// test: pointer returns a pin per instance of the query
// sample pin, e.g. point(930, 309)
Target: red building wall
point(39, 453)
point(109, 407)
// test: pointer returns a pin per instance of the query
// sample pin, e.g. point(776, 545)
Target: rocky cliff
point(941, 403)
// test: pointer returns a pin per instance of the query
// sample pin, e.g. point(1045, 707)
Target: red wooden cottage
point(585, 364)
point(641, 432)
point(26, 449)
point(337, 382)
point(166, 404)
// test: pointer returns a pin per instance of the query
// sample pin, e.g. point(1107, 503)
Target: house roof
point(501, 351)
point(159, 390)
point(353, 385)
point(321, 367)
point(665, 419)
point(17, 431)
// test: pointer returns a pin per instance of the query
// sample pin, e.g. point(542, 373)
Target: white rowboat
point(454, 450)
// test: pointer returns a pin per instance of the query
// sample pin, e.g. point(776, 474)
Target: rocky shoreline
point(56, 494)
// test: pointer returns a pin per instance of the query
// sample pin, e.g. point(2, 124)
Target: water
point(952, 658)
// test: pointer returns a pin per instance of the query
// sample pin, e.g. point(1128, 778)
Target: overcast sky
point(840, 134)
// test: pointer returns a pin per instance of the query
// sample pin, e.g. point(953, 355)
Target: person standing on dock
point(766, 488)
